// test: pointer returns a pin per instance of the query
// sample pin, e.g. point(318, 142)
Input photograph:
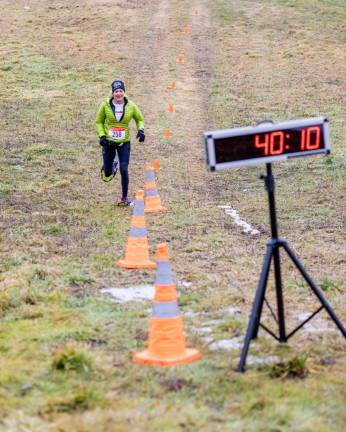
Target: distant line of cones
point(166, 342)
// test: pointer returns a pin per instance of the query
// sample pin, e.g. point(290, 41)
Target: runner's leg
point(124, 159)
point(108, 153)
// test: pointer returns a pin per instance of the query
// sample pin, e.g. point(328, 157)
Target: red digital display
point(266, 144)
point(278, 142)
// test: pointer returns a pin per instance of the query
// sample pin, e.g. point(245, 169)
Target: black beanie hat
point(118, 85)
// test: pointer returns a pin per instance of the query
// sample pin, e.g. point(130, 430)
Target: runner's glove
point(103, 141)
point(140, 135)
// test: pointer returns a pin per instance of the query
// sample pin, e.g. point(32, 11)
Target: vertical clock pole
point(272, 252)
point(274, 248)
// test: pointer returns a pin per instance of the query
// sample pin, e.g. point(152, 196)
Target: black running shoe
point(125, 202)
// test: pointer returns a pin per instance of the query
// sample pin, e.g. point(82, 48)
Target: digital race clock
point(266, 142)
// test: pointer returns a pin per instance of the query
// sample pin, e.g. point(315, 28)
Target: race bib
point(117, 133)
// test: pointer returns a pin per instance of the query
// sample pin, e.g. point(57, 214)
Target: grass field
point(66, 347)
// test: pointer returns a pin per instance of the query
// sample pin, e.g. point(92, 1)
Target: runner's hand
point(103, 141)
point(140, 135)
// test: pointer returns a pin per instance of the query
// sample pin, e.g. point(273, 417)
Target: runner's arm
point(100, 118)
point(138, 116)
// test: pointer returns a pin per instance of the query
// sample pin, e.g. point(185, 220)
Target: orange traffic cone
point(156, 165)
point(168, 133)
point(166, 345)
point(152, 197)
point(172, 85)
point(186, 29)
point(181, 59)
point(170, 108)
point(137, 250)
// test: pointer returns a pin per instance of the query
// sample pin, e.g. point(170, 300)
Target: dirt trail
point(157, 62)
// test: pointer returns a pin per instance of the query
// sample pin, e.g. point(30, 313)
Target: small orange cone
point(156, 165)
point(186, 29)
point(137, 250)
point(181, 59)
point(166, 345)
point(172, 85)
point(168, 133)
point(152, 197)
point(170, 108)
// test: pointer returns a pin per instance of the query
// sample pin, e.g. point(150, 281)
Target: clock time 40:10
point(278, 142)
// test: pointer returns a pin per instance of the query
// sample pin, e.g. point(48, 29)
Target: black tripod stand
point(273, 251)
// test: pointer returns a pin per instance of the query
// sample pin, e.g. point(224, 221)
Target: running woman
point(112, 125)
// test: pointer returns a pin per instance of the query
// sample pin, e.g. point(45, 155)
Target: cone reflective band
point(137, 249)
point(165, 310)
point(165, 289)
point(163, 273)
point(166, 345)
point(152, 197)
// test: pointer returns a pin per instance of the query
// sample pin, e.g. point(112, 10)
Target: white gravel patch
point(184, 284)
point(247, 228)
point(214, 322)
point(203, 330)
point(207, 339)
point(227, 344)
point(261, 361)
point(138, 293)
point(232, 311)
point(192, 314)
point(316, 325)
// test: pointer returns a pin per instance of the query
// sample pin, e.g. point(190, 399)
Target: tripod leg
point(256, 309)
point(279, 295)
point(263, 283)
point(315, 289)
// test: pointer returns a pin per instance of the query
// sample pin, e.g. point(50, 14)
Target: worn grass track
point(65, 349)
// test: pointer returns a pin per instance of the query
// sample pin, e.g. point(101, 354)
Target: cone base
point(157, 210)
point(145, 358)
point(130, 265)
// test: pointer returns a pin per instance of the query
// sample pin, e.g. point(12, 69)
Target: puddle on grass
point(247, 228)
point(137, 293)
